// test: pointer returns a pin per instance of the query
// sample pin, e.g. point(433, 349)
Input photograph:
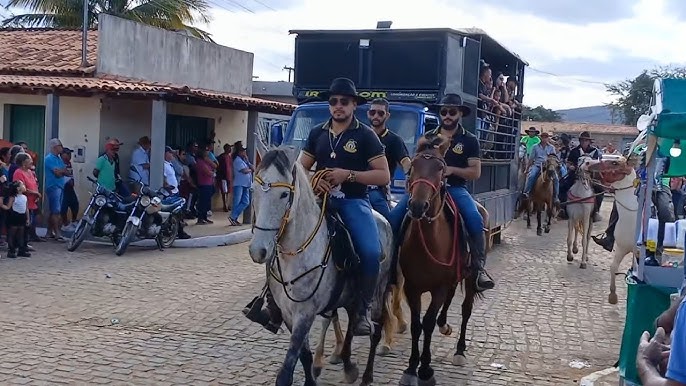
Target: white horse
point(620, 175)
point(580, 202)
point(292, 238)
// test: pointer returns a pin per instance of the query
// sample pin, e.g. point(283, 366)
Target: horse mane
point(430, 142)
point(276, 158)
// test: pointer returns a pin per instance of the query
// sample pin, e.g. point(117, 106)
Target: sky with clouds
point(585, 44)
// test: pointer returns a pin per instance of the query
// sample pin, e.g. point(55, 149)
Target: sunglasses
point(380, 113)
point(342, 101)
point(451, 112)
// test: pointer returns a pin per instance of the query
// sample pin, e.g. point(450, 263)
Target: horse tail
point(388, 319)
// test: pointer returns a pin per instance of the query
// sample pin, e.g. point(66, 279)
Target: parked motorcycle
point(104, 216)
point(151, 219)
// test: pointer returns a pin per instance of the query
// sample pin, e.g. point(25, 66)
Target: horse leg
point(319, 350)
point(614, 267)
point(539, 230)
point(397, 303)
point(414, 300)
point(396, 320)
point(575, 249)
point(549, 213)
point(335, 357)
point(459, 359)
point(442, 321)
point(374, 339)
point(350, 370)
point(301, 329)
point(528, 214)
point(306, 361)
point(570, 235)
point(585, 238)
point(426, 373)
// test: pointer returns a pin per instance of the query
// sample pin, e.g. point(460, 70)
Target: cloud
point(595, 43)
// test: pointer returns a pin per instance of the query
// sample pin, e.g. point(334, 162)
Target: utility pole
point(84, 37)
point(290, 70)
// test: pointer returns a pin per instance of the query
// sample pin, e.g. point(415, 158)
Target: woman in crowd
point(204, 168)
point(242, 179)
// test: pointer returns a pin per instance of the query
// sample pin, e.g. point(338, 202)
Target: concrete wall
point(134, 50)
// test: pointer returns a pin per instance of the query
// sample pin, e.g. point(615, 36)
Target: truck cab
point(410, 121)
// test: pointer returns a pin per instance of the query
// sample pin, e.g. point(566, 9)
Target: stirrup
point(253, 309)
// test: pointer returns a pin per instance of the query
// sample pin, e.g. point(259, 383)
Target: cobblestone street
point(174, 317)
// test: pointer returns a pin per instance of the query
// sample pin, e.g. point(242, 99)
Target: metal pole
point(84, 37)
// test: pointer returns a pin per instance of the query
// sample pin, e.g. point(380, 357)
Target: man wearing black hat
point(463, 159)
point(587, 149)
point(395, 149)
point(355, 157)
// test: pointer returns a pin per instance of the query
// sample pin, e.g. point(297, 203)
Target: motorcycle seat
point(170, 204)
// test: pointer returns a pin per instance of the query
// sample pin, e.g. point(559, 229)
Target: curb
point(591, 379)
point(232, 238)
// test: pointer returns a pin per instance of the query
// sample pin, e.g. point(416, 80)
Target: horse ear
point(292, 154)
point(443, 146)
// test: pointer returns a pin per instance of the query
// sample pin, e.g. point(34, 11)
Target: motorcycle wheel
point(167, 237)
point(127, 236)
point(82, 229)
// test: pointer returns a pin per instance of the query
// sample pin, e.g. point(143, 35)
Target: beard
point(378, 122)
point(340, 118)
point(452, 125)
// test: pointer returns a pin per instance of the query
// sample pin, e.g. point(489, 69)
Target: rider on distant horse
point(530, 140)
point(585, 148)
point(395, 149)
point(538, 155)
point(464, 164)
point(355, 157)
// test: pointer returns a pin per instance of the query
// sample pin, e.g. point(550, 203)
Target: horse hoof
point(408, 380)
point(335, 359)
point(459, 360)
point(351, 373)
point(539, 232)
point(384, 350)
point(317, 371)
point(612, 298)
point(402, 327)
point(428, 382)
point(570, 257)
point(582, 265)
point(445, 330)
point(547, 230)
point(575, 250)
point(528, 226)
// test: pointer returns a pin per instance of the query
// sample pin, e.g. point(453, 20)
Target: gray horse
point(291, 237)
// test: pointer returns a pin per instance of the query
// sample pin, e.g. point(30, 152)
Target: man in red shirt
point(225, 175)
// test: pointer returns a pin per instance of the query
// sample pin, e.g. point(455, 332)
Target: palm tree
point(168, 14)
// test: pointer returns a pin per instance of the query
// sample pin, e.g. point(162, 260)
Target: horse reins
point(436, 189)
point(282, 228)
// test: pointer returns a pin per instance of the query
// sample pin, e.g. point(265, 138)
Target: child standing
point(17, 220)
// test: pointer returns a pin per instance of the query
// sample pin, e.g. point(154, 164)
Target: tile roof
point(81, 85)
point(574, 127)
point(45, 51)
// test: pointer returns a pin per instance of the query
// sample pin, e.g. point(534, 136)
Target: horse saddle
point(343, 252)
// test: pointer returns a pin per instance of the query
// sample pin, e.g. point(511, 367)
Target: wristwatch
point(351, 176)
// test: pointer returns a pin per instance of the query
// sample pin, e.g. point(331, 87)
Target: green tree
point(177, 15)
point(540, 114)
point(633, 95)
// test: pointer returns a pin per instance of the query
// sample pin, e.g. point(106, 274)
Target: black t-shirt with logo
point(395, 149)
point(354, 149)
point(463, 147)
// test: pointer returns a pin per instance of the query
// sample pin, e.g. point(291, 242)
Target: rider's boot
point(478, 250)
point(270, 318)
point(607, 240)
point(367, 286)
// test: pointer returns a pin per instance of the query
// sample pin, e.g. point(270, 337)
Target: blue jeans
point(357, 215)
point(205, 193)
point(465, 203)
point(534, 172)
point(377, 199)
point(241, 200)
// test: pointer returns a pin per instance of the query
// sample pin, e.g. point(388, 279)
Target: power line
point(567, 77)
point(264, 5)
point(239, 5)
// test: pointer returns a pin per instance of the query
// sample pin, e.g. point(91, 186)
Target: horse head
point(551, 167)
point(612, 169)
point(427, 174)
point(277, 187)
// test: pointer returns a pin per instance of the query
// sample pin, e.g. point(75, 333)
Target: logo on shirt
point(350, 146)
point(458, 148)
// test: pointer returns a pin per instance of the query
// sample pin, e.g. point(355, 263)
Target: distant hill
point(591, 114)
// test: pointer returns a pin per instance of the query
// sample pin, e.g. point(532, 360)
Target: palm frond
point(41, 20)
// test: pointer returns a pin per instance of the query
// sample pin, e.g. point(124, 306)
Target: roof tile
point(577, 127)
point(45, 51)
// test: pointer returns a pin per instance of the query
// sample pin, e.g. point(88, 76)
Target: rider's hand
point(337, 176)
point(322, 186)
point(653, 351)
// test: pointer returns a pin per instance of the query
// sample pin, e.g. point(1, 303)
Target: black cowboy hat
point(453, 100)
point(530, 129)
point(585, 135)
point(345, 87)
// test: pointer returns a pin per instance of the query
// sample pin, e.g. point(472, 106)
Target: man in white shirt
point(140, 162)
point(172, 185)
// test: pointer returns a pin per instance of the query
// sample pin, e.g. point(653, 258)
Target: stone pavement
point(174, 317)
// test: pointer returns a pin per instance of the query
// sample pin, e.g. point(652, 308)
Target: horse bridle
point(265, 186)
point(436, 189)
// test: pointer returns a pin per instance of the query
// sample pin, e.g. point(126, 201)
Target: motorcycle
point(152, 219)
point(104, 216)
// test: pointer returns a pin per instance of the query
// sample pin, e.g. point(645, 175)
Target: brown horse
point(542, 194)
point(432, 258)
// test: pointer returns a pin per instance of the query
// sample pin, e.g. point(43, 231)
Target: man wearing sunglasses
point(463, 159)
point(395, 149)
point(355, 157)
